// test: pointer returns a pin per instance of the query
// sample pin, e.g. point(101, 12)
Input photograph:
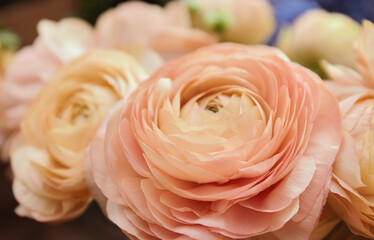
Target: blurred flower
point(227, 142)
point(357, 9)
point(48, 155)
point(32, 66)
point(318, 35)
point(287, 10)
point(241, 21)
point(166, 30)
point(363, 75)
point(352, 189)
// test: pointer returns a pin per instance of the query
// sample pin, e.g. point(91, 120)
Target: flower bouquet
point(181, 123)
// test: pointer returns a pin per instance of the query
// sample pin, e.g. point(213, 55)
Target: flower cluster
point(181, 126)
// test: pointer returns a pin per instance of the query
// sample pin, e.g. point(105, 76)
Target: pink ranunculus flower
point(230, 141)
point(352, 188)
point(166, 30)
point(32, 67)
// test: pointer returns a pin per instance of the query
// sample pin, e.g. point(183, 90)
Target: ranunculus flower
point(230, 141)
point(352, 186)
point(352, 189)
point(48, 157)
point(317, 35)
point(32, 66)
point(166, 30)
point(241, 21)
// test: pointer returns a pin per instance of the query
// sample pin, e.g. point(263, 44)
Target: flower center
point(79, 113)
point(213, 108)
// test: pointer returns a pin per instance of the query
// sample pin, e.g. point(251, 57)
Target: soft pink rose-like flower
point(166, 30)
point(352, 188)
point(32, 66)
point(230, 141)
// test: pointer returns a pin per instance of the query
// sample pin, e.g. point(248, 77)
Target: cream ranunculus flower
point(352, 189)
point(48, 159)
point(228, 142)
point(319, 35)
point(240, 21)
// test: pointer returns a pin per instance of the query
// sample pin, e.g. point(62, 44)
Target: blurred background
point(21, 16)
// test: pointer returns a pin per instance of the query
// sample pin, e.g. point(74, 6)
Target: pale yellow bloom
point(48, 159)
point(318, 35)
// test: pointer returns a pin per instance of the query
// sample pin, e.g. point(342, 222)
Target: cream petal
point(61, 37)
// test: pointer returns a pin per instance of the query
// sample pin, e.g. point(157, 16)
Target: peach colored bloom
point(318, 35)
point(352, 187)
point(241, 21)
point(166, 30)
point(32, 66)
point(48, 157)
point(230, 141)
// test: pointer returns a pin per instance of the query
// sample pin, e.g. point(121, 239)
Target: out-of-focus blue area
point(357, 9)
point(287, 10)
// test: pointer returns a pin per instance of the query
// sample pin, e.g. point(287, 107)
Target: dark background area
point(91, 226)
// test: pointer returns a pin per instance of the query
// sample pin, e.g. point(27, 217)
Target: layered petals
point(352, 188)
point(48, 156)
point(227, 142)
